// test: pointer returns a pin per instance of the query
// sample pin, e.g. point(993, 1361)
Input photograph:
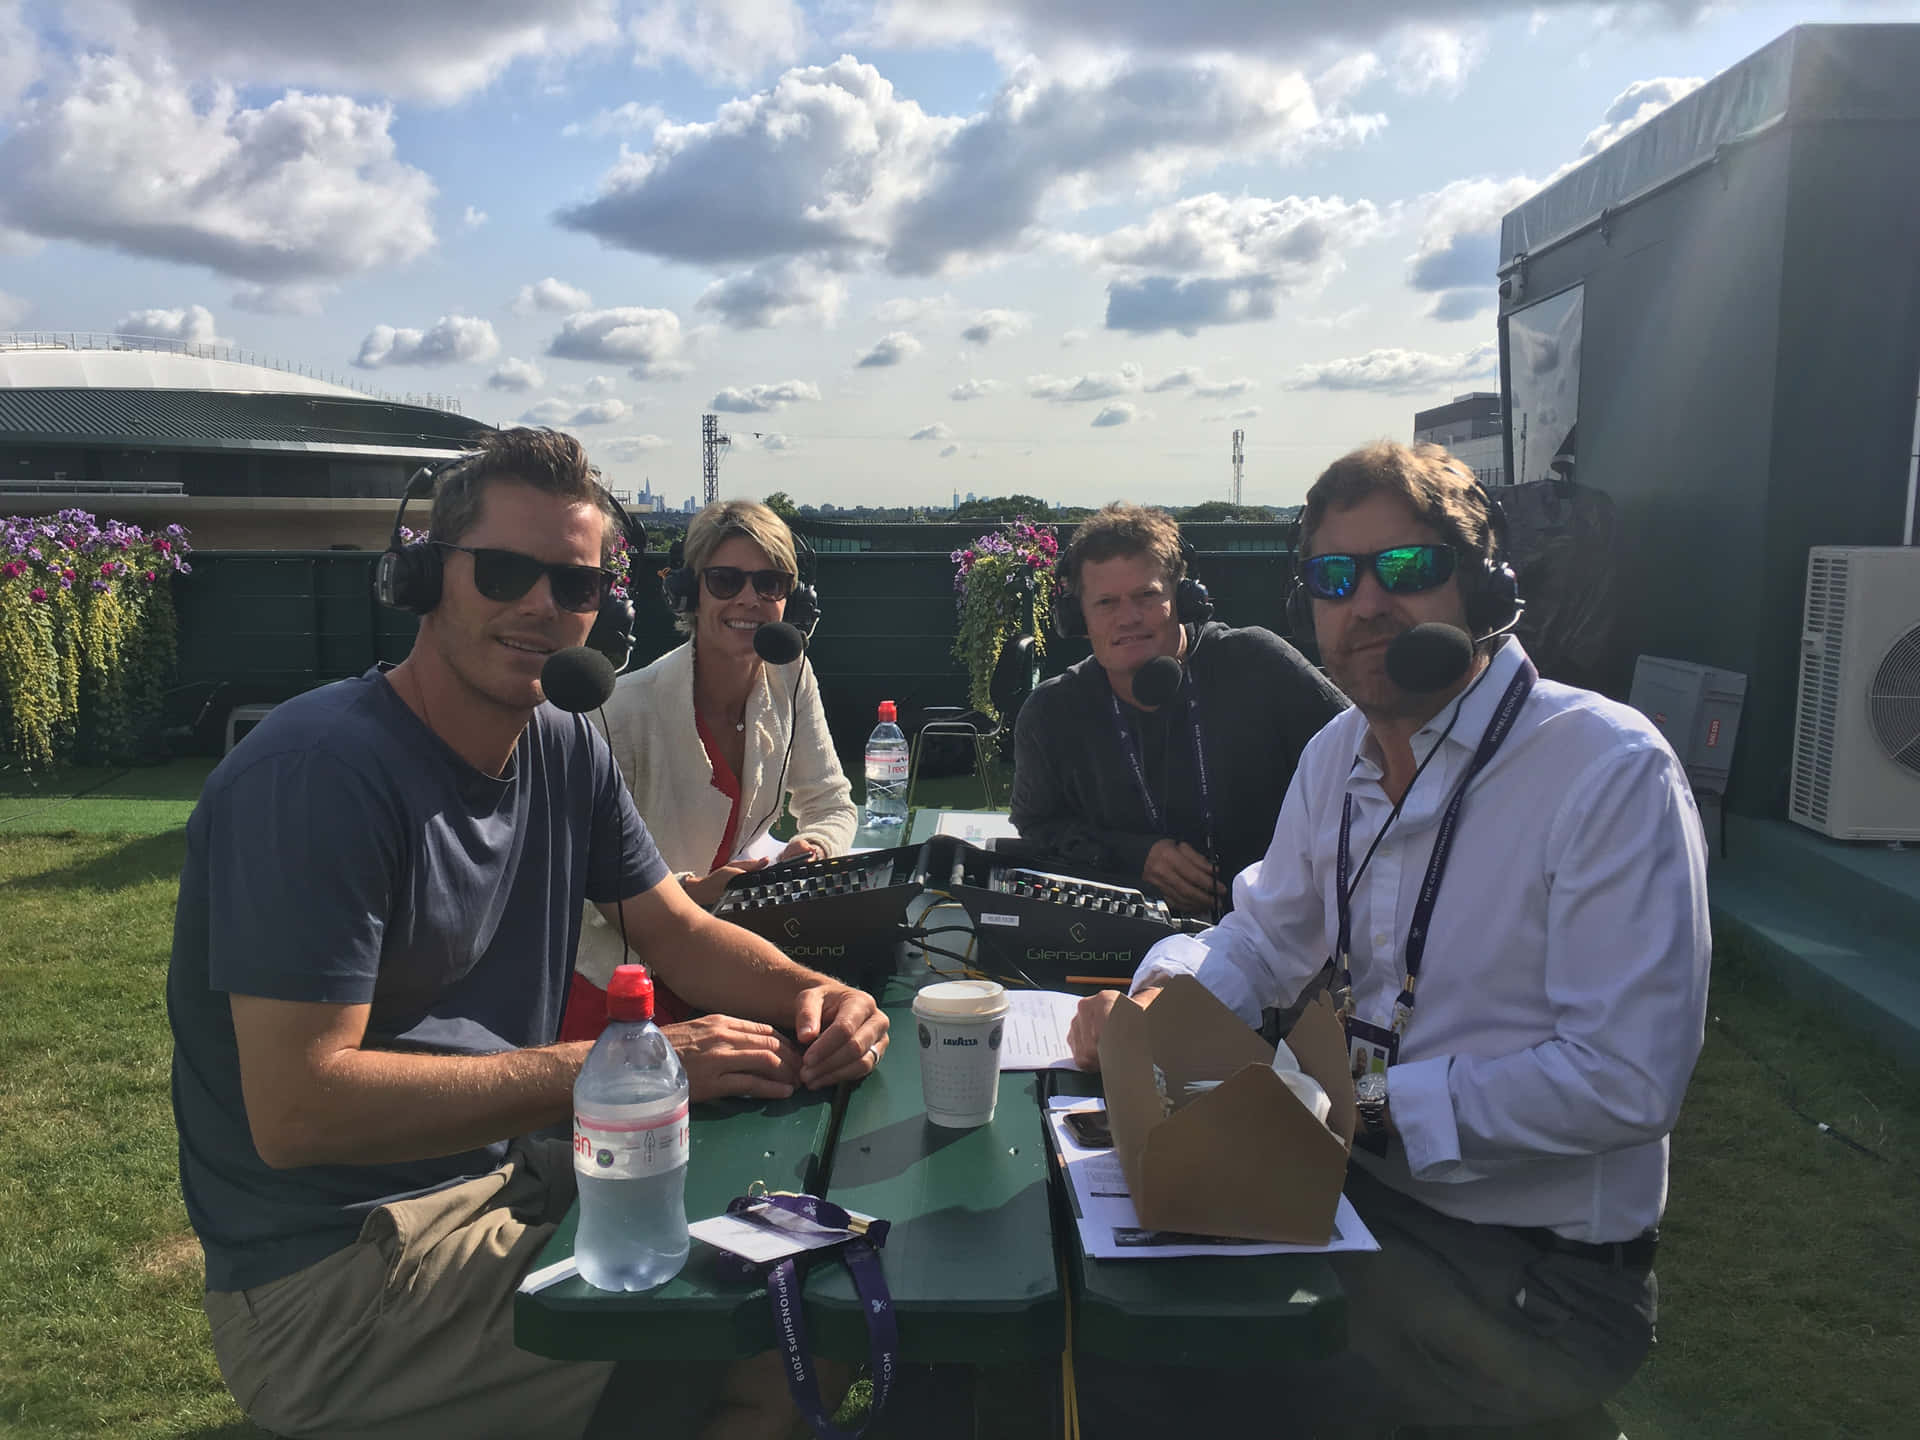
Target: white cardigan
point(656, 744)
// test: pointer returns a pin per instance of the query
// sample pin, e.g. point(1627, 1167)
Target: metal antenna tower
point(1239, 462)
point(710, 442)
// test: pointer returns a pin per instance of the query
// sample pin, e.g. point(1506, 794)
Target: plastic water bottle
point(886, 771)
point(630, 1141)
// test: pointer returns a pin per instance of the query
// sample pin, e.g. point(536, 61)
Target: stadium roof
point(342, 423)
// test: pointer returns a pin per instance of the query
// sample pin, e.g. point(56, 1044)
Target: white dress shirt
point(1562, 999)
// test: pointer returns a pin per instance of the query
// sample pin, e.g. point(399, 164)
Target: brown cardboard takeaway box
point(1244, 1159)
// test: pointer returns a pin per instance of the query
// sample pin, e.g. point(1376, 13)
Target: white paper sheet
point(1110, 1230)
point(1036, 1033)
point(775, 1237)
point(977, 827)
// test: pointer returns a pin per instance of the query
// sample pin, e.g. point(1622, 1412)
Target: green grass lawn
point(1787, 1274)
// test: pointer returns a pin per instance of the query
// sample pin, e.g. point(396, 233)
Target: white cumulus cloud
point(432, 50)
point(1095, 385)
point(1215, 259)
point(453, 340)
point(1397, 372)
point(474, 217)
point(939, 430)
point(647, 342)
point(774, 292)
point(518, 376)
point(1459, 245)
point(552, 295)
point(1121, 412)
point(947, 452)
point(832, 164)
point(1636, 105)
point(122, 154)
point(991, 325)
point(190, 323)
point(757, 399)
point(890, 349)
point(973, 389)
point(632, 118)
point(565, 414)
point(729, 42)
point(631, 447)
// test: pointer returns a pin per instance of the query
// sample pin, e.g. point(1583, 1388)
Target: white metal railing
point(101, 340)
point(91, 487)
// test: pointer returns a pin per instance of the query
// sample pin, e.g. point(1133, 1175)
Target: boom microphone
point(1429, 657)
point(779, 643)
point(1157, 681)
point(577, 679)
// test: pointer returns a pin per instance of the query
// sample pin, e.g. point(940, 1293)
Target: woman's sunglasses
point(506, 575)
point(1403, 570)
point(724, 582)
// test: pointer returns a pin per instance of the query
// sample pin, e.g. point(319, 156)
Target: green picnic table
point(984, 1259)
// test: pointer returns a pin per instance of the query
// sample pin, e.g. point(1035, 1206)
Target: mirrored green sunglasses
point(1403, 570)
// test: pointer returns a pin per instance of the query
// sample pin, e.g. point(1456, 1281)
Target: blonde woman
point(712, 739)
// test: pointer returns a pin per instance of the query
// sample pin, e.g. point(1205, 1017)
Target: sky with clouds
point(903, 247)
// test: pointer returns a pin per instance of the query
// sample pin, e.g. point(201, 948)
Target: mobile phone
point(1090, 1128)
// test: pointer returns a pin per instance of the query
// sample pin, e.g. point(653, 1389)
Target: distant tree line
point(1009, 507)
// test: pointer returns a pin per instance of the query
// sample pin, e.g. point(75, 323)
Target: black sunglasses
point(724, 582)
point(506, 575)
point(1403, 570)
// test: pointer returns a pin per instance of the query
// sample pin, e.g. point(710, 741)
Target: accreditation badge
point(1370, 1048)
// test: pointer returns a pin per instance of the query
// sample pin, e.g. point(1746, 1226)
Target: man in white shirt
point(1527, 1077)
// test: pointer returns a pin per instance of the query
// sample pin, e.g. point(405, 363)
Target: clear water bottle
point(886, 771)
point(630, 1140)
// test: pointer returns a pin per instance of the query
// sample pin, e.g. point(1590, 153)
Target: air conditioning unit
point(1856, 741)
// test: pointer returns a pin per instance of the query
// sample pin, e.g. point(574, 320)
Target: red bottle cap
point(630, 993)
point(888, 715)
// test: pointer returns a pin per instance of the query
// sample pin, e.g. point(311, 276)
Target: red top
point(728, 784)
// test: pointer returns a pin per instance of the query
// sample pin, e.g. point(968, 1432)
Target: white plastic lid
point(960, 999)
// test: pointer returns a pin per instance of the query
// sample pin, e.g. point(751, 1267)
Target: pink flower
point(151, 576)
point(37, 594)
point(106, 567)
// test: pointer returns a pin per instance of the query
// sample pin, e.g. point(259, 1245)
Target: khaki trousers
point(409, 1330)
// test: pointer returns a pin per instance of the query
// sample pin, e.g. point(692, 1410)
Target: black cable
point(1394, 814)
point(1790, 1095)
point(793, 725)
point(65, 799)
point(620, 906)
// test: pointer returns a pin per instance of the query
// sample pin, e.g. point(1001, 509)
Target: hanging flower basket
point(1004, 584)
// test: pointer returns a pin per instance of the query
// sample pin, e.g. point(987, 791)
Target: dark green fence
point(264, 625)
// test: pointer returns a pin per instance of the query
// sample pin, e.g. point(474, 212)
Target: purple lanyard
point(789, 1318)
point(1130, 747)
point(1497, 730)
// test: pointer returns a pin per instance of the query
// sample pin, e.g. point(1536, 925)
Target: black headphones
point(680, 587)
point(409, 576)
point(1191, 603)
point(1490, 589)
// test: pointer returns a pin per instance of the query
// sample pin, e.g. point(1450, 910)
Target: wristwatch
point(1370, 1103)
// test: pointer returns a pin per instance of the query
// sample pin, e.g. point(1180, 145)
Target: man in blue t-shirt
point(376, 925)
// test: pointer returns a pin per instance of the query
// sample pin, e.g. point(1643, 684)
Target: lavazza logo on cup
point(960, 1023)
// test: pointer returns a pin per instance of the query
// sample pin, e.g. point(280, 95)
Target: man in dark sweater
point(1106, 782)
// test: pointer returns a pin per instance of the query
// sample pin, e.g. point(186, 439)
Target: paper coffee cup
point(960, 1023)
